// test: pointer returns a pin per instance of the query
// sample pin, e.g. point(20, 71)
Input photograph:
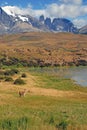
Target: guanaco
point(22, 93)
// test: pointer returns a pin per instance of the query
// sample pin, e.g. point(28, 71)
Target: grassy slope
point(38, 110)
point(47, 47)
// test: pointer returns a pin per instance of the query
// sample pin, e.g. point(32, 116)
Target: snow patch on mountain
point(23, 18)
point(10, 10)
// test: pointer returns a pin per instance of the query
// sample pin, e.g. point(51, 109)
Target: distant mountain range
point(83, 30)
point(14, 23)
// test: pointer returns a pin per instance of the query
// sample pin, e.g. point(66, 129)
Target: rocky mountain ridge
point(14, 23)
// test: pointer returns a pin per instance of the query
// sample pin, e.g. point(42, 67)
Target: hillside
point(44, 49)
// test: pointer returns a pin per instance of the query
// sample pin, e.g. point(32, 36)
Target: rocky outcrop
point(63, 25)
point(41, 18)
point(59, 24)
point(47, 22)
point(83, 30)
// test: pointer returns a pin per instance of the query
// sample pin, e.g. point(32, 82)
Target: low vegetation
point(11, 72)
point(9, 79)
point(23, 75)
point(21, 123)
point(19, 81)
point(48, 49)
point(7, 75)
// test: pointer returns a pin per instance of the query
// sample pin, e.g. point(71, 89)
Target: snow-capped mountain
point(6, 21)
point(14, 23)
point(11, 22)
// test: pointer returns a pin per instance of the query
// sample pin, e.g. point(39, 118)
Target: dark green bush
point(7, 72)
point(8, 79)
point(11, 72)
point(2, 77)
point(19, 81)
point(23, 75)
point(51, 121)
point(62, 125)
point(15, 71)
point(7, 124)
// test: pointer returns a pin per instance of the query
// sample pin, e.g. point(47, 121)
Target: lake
point(78, 74)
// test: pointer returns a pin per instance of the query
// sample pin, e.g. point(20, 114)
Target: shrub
point(1, 72)
point(15, 71)
point(19, 81)
point(11, 72)
point(7, 124)
point(23, 75)
point(51, 121)
point(1, 77)
point(8, 79)
point(7, 72)
point(62, 125)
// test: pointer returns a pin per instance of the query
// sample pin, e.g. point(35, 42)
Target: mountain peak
point(9, 20)
point(6, 21)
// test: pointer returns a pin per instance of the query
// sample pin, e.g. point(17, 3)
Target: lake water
point(78, 74)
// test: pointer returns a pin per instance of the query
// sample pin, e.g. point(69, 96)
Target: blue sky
point(37, 4)
point(75, 10)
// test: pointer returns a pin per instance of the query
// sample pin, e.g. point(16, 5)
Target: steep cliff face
point(48, 23)
point(63, 25)
point(59, 24)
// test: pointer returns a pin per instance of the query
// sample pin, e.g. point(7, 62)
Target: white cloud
point(37, 13)
point(70, 11)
